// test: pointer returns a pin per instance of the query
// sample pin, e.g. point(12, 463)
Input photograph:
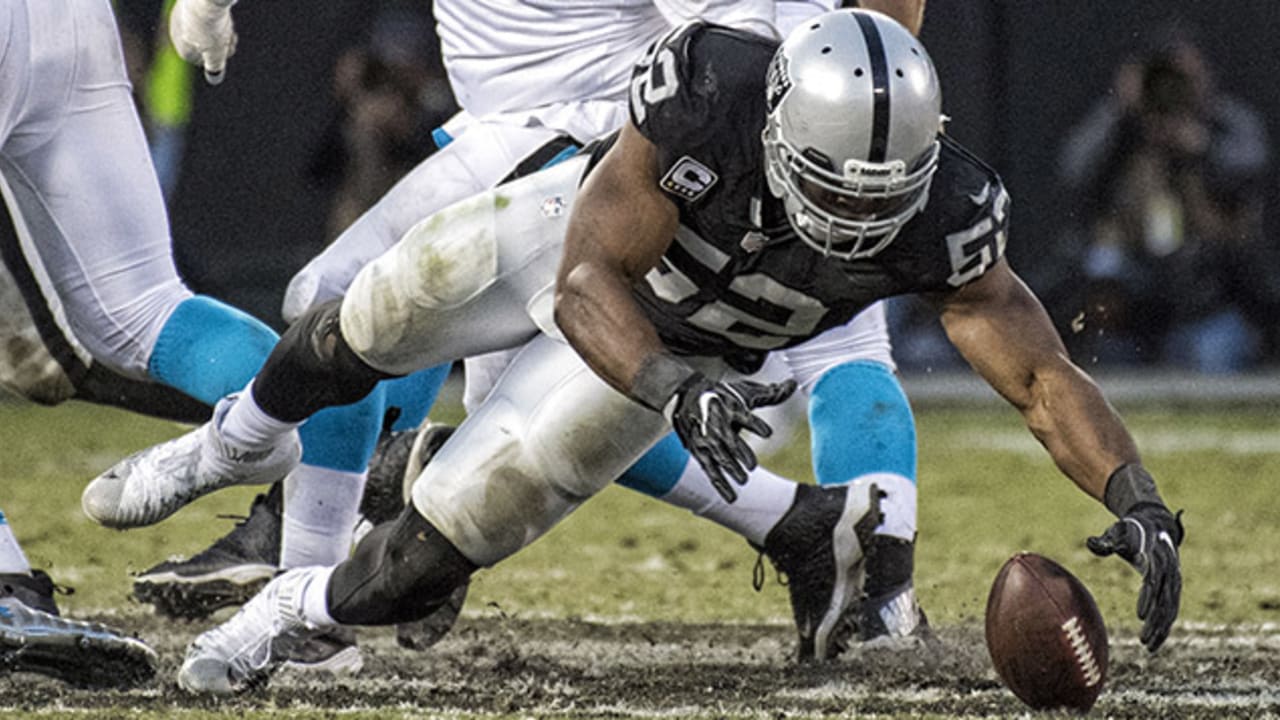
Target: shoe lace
point(240, 519)
point(758, 573)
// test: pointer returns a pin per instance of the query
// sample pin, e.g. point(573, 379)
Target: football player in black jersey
point(692, 247)
point(877, 202)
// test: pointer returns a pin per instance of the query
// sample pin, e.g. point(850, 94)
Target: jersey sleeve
point(977, 247)
point(665, 105)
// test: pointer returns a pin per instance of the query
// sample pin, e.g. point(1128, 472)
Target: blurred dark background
point(249, 208)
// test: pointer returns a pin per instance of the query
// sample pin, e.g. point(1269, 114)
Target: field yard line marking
point(1219, 628)
point(1163, 442)
point(924, 696)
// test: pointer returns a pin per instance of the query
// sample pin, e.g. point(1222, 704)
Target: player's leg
point(854, 392)
point(847, 376)
point(45, 363)
point(551, 435)
point(488, 261)
point(106, 253)
point(814, 535)
point(474, 156)
point(80, 176)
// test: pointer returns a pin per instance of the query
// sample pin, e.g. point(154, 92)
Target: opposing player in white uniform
point(93, 305)
point(532, 96)
point(87, 257)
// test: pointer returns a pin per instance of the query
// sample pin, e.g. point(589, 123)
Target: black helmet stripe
point(880, 88)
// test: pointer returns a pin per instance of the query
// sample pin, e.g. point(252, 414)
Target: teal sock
point(208, 349)
point(860, 423)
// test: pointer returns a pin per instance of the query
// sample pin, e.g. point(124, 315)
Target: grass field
point(631, 608)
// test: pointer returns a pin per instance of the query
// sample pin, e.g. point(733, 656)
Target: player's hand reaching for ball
point(1148, 537)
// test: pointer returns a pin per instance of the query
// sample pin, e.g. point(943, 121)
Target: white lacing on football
point(1083, 651)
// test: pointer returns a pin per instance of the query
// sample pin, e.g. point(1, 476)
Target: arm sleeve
point(662, 102)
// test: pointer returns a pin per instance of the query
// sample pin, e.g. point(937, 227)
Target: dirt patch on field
point(572, 668)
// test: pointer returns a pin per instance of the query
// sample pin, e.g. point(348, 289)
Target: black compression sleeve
point(313, 368)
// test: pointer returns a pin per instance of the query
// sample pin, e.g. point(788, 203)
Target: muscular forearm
point(621, 225)
point(599, 318)
point(1003, 331)
point(1067, 413)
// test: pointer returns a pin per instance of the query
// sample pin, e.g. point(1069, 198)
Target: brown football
point(1046, 637)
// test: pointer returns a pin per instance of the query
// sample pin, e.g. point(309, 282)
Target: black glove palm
point(1148, 538)
point(708, 416)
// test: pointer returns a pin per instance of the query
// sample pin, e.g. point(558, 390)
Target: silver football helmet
point(851, 139)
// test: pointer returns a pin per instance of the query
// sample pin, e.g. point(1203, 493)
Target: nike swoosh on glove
point(708, 417)
point(1148, 537)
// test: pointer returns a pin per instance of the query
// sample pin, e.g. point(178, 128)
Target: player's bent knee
point(454, 252)
point(312, 368)
point(440, 266)
point(400, 572)
point(491, 500)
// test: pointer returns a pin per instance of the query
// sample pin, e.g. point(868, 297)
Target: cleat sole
point(192, 601)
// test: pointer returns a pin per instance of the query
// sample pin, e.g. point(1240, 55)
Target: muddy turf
point(633, 610)
point(496, 665)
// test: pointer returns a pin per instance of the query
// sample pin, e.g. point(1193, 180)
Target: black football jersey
point(736, 281)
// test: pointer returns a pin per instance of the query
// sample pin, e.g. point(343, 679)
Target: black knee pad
point(312, 368)
point(400, 572)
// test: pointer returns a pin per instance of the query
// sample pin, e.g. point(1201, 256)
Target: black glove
point(708, 415)
point(1148, 537)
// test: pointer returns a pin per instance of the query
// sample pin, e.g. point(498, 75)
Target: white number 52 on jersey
point(654, 78)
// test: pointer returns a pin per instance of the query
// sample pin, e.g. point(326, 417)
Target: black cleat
point(229, 572)
point(818, 546)
point(383, 497)
point(34, 638)
point(425, 446)
point(398, 459)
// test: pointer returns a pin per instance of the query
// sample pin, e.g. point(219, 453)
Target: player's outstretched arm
point(203, 34)
point(1003, 331)
point(621, 225)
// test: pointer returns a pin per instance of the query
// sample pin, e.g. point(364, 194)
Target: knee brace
point(400, 572)
point(312, 368)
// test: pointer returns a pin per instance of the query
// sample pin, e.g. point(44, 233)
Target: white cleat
point(242, 653)
point(150, 485)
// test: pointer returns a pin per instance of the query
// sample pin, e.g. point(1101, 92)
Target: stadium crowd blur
point(1167, 173)
point(1164, 259)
